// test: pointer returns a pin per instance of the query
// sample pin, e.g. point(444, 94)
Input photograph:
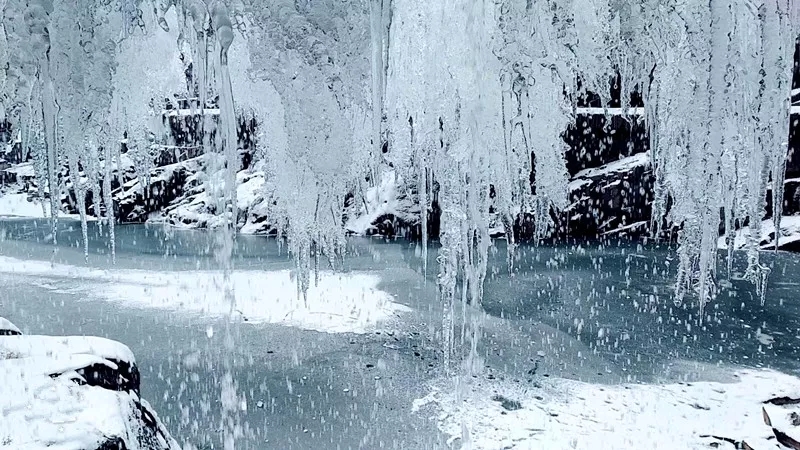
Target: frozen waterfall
point(465, 100)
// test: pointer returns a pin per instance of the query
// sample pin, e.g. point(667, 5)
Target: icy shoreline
point(566, 414)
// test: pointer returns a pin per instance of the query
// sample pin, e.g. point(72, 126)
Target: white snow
point(6, 325)
point(587, 177)
point(22, 205)
point(610, 111)
point(19, 205)
point(584, 177)
point(381, 200)
point(34, 345)
point(185, 112)
point(625, 228)
point(24, 170)
point(249, 188)
point(42, 412)
point(42, 407)
point(339, 303)
point(565, 414)
point(793, 109)
point(790, 232)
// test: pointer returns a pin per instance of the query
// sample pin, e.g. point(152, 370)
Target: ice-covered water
point(601, 314)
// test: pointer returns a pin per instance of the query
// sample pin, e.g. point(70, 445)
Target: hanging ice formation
point(467, 97)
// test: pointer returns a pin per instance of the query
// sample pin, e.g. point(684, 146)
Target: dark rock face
point(612, 183)
point(113, 444)
point(608, 202)
point(596, 140)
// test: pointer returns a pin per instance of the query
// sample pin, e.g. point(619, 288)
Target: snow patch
point(565, 414)
point(594, 111)
point(21, 205)
point(338, 303)
point(625, 228)
point(24, 170)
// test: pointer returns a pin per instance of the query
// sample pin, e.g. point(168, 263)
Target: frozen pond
point(594, 313)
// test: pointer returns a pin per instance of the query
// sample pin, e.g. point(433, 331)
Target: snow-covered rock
point(134, 202)
point(78, 393)
point(789, 239)
point(612, 199)
point(386, 208)
point(197, 209)
point(7, 328)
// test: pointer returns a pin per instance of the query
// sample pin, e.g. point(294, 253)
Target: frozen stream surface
point(582, 347)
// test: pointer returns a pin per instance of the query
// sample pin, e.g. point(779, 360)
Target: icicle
point(778, 51)
point(448, 260)
point(377, 34)
point(37, 19)
point(228, 122)
point(80, 197)
point(422, 192)
point(490, 85)
point(108, 199)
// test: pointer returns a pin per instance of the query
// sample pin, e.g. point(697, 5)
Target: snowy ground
point(19, 205)
point(23, 205)
point(564, 414)
point(339, 302)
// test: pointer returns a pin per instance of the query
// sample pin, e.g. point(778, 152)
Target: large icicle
point(37, 18)
point(228, 124)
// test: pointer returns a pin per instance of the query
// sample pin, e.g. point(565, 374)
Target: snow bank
point(22, 205)
point(7, 326)
point(24, 170)
point(340, 302)
point(790, 232)
point(565, 414)
point(19, 205)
